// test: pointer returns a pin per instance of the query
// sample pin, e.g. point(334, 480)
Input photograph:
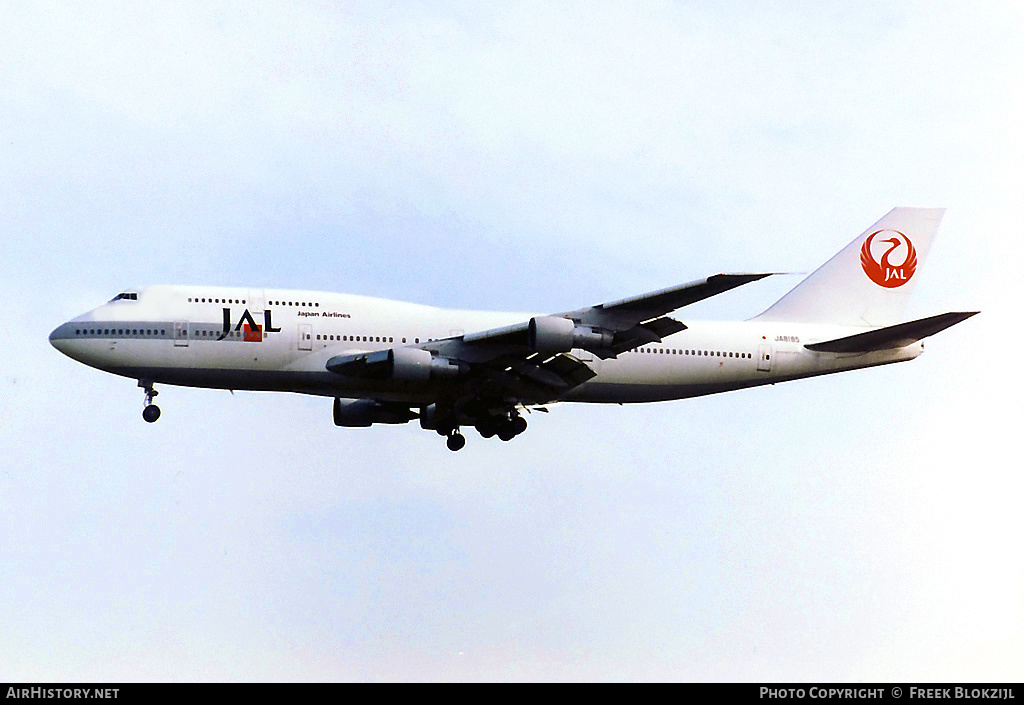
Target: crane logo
point(881, 270)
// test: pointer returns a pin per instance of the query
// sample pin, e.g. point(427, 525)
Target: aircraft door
point(256, 301)
point(181, 334)
point(764, 358)
point(305, 336)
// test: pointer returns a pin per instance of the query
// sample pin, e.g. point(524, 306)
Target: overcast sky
point(519, 156)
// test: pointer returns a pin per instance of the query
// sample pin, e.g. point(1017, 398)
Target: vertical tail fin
point(868, 283)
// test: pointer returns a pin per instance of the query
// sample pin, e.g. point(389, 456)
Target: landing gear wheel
point(511, 427)
point(486, 428)
point(150, 411)
point(456, 441)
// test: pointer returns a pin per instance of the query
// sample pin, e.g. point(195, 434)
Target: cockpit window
point(130, 296)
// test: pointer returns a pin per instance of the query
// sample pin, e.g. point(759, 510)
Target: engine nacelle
point(409, 364)
point(551, 334)
point(429, 417)
point(400, 364)
point(365, 412)
point(417, 365)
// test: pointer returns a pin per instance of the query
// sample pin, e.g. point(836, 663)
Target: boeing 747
point(391, 362)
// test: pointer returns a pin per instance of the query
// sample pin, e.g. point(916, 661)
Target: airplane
point(390, 362)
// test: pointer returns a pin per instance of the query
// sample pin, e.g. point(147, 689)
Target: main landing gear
point(504, 427)
point(150, 411)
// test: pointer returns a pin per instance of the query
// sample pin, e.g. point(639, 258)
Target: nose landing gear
point(456, 441)
point(150, 411)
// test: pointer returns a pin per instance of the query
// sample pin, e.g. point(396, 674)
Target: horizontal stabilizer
point(892, 337)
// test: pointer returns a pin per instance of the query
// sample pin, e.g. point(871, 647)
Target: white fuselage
point(278, 340)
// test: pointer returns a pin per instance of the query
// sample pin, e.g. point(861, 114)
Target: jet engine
point(552, 334)
point(400, 364)
point(417, 365)
point(365, 412)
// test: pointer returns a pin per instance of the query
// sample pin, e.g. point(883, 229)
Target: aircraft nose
point(59, 337)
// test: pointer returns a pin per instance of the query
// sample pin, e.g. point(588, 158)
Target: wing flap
point(642, 334)
point(555, 375)
point(539, 374)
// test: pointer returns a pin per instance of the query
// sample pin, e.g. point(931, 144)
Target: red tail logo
point(880, 270)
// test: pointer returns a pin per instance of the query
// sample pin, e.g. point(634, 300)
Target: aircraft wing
point(639, 320)
point(499, 372)
point(637, 309)
point(531, 361)
point(631, 322)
